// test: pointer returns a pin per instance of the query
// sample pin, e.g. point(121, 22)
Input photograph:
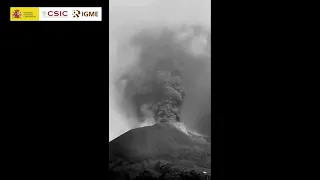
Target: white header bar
point(70, 14)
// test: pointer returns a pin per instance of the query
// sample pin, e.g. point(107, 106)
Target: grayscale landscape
point(160, 89)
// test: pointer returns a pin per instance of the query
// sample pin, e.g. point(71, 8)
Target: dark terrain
point(160, 151)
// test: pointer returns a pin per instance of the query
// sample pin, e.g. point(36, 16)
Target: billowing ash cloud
point(159, 64)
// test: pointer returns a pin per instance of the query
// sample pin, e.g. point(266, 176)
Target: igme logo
point(78, 13)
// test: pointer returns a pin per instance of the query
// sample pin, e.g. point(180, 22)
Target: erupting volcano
point(162, 91)
point(160, 102)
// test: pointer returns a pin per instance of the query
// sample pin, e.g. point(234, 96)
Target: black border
point(59, 80)
point(83, 139)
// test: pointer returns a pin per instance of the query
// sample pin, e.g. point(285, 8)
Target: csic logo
point(77, 14)
point(16, 14)
point(55, 13)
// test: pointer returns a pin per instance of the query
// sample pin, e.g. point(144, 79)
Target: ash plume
point(159, 64)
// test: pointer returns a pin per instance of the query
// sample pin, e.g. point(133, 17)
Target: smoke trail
point(136, 57)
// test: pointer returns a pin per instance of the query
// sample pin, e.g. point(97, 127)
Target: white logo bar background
point(70, 14)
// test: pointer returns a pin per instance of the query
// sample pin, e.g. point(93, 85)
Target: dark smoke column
point(170, 63)
point(168, 109)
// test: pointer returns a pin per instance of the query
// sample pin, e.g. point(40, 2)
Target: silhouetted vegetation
point(174, 175)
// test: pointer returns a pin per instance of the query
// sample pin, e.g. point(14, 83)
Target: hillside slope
point(159, 149)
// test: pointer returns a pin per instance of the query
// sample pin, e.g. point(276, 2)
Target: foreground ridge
point(161, 151)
